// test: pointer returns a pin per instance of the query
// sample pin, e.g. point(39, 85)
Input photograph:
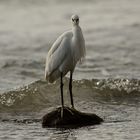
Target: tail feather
point(52, 76)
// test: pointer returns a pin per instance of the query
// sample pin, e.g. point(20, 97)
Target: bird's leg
point(70, 89)
point(62, 99)
point(61, 86)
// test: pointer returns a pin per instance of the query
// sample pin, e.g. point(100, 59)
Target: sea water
point(106, 83)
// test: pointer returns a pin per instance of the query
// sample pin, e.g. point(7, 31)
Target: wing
point(57, 53)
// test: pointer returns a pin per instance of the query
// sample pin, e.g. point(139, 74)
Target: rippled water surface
point(111, 88)
point(116, 101)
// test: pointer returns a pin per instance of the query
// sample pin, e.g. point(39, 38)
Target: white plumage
point(66, 51)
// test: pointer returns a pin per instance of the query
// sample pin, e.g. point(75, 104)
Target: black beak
point(75, 20)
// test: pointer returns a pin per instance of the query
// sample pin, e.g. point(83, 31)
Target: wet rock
point(69, 118)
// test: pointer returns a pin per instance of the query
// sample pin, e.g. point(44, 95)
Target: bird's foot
point(72, 106)
point(62, 108)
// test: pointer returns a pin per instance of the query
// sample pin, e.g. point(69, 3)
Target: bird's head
point(75, 19)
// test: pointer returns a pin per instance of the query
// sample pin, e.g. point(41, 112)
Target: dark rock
point(69, 118)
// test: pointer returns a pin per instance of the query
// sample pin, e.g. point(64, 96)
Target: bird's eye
point(77, 20)
point(72, 19)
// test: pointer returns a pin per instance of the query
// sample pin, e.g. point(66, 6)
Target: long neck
point(76, 31)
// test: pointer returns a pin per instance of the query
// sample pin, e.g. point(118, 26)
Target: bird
point(66, 51)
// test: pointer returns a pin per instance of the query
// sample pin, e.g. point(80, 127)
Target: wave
point(41, 94)
point(22, 63)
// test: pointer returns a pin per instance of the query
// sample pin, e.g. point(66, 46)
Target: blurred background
point(111, 29)
point(28, 28)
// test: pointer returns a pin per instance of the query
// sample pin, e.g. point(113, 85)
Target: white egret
point(66, 51)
